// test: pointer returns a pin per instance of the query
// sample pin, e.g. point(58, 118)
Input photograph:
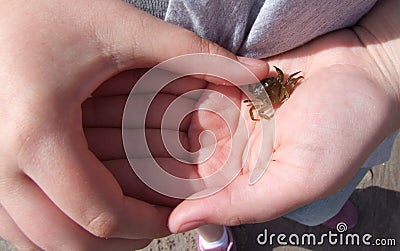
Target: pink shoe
point(231, 245)
point(347, 215)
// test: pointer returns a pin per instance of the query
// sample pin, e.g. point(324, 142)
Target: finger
point(33, 209)
point(11, 232)
point(107, 144)
point(103, 111)
point(280, 190)
point(108, 111)
point(132, 186)
point(128, 50)
point(122, 84)
point(96, 201)
point(184, 85)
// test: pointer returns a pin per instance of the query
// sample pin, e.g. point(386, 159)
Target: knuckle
point(234, 221)
point(209, 47)
point(203, 45)
point(240, 220)
point(103, 225)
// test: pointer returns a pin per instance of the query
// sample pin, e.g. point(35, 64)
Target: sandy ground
point(377, 200)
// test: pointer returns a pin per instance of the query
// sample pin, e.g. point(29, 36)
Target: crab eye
point(265, 85)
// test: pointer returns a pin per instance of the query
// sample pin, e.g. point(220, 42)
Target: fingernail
point(251, 61)
point(190, 225)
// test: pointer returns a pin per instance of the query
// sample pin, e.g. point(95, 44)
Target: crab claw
point(280, 74)
point(293, 81)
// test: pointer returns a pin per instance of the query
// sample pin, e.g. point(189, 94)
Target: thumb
point(274, 195)
point(139, 40)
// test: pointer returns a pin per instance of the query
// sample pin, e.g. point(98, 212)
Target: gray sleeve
point(382, 152)
point(263, 28)
point(156, 8)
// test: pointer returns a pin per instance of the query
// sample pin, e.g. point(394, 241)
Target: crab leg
point(292, 80)
point(252, 113)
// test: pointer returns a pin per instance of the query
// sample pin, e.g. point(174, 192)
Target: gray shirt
point(263, 28)
point(258, 28)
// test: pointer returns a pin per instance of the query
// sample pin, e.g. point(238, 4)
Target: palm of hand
point(324, 133)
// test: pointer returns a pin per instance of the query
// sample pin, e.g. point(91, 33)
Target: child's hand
point(334, 119)
point(54, 193)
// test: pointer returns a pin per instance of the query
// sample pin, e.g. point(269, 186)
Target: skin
point(59, 188)
point(346, 80)
point(347, 104)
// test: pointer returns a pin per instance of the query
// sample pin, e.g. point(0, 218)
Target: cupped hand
point(334, 119)
point(55, 194)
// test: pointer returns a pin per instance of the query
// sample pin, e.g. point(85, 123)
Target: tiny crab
point(272, 87)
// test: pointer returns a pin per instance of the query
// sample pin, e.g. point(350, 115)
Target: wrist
point(379, 31)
